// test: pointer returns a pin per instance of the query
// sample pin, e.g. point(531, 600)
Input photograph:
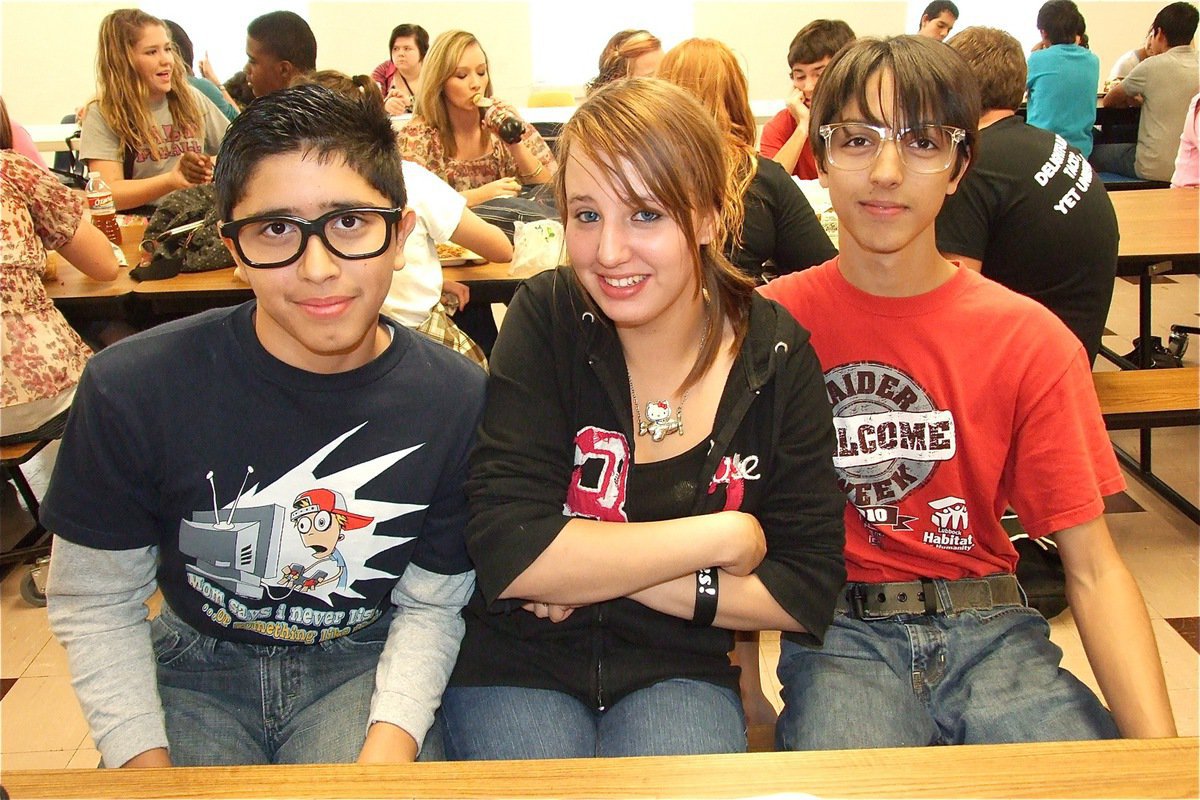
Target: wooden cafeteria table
point(1160, 232)
point(1122, 768)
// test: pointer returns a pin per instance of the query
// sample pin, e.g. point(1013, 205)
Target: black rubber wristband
point(706, 597)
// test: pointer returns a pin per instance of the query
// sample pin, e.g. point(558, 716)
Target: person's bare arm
point(387, 744)
point(502, 187)
point(591, 561)
point(1115, 628)
point(91, 253)
point(789, 154)
point(191, 169)
point(475, 233)
point(743, 603)
point(158, 757)
point(1117, 97)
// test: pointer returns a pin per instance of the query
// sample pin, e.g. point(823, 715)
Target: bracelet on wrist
point(531, 175)
point(706, 597)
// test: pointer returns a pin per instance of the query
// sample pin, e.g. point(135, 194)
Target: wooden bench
point(1155, 398)
point(1146, 399)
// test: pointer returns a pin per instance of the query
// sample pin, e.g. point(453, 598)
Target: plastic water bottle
point(104, 210)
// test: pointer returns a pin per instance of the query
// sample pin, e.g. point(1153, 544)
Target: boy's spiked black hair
point(309, 119)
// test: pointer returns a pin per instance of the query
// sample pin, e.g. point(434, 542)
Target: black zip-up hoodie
point(558, 369)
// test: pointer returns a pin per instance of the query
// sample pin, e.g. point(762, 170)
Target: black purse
point(182, 236)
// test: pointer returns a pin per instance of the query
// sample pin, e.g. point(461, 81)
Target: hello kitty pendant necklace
point(658, 422)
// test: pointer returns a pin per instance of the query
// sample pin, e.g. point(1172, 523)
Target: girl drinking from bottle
point(449, 136)
point(653, 470)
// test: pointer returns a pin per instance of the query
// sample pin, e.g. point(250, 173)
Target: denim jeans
point(1118, 158)
point(231, 703)
point(971, 677)
point(672, 717)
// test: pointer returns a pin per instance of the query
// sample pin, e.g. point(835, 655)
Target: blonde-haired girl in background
point(148, 132)
point(448, 136)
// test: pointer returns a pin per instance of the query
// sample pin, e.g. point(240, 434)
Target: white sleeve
point(96, 601)
point(435, 202)
point(421, 648)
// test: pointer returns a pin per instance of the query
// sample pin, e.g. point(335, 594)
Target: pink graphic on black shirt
point(734, 471)
point(599, 476)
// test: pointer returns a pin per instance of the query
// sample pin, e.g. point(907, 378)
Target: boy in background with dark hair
point(785, 137)
point(1063, 76)
point(189, 447)
point(1030, 213)
point(279, 46)
point(953, 398)
point(937, 20)
point(1163, 86)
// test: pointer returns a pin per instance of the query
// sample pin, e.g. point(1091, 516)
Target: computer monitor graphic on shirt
point(238, 549)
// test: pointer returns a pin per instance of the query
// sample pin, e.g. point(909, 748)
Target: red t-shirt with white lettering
point(775, 135)
point(950, 407)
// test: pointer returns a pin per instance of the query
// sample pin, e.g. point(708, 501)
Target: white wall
point(48, 47)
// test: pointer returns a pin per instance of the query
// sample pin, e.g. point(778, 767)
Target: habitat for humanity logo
point(951, 518)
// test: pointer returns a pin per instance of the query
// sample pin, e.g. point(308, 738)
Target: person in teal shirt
point(1063, 76)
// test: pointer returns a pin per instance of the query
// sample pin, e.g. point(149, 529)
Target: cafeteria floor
point(41, 725)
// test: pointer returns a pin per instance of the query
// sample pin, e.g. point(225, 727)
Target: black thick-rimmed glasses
point(926, 149)
point(276, 240)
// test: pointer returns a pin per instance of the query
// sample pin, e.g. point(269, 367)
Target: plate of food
point(454, 255)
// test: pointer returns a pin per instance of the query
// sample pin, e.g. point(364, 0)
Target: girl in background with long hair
point(449, 137)
point(767, 215)
point(148, 132)
point(653, 470)
point(629, 53)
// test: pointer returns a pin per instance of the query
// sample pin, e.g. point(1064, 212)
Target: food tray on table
point(454, 255)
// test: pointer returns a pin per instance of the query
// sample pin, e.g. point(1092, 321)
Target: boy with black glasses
point(288, 472)
point(953, 398)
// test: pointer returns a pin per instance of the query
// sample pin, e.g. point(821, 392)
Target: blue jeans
point(971, 677)
point(231, 703)
point(672, 717)
point(1118, 158)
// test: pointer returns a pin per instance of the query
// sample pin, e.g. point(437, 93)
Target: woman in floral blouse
point(43, 355)
point(448, 138)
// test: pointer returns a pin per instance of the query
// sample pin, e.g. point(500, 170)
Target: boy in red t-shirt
point(785, 137)
point(946, 414)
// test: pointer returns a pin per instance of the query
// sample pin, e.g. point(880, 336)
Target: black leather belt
point(882, 600)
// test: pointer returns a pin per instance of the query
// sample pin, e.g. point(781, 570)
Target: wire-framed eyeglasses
point(268, 241)
point(925, 149)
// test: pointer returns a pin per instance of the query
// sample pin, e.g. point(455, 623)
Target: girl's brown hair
point(624, 47)
point(362, 87)
point(440, 64)
point(123, 96)
point(710, 71)
point(651, 129)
